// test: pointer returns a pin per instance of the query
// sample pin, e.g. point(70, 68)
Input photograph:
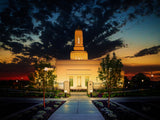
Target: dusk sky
point(130, 28)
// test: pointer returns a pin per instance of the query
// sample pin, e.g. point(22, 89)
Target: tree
point(126, 82)
point(140, 81)
point(31, 77)
point(51, 77)
point(110, 73)
point(42, 75)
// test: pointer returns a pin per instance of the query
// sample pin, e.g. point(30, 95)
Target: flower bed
point(39, 112)
point(115, 112)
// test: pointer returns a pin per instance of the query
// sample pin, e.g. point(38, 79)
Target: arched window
point(78, 40)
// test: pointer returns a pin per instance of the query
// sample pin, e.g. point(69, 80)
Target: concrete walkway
point(77, 107)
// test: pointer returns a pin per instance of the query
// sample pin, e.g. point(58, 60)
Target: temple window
point(71, 80)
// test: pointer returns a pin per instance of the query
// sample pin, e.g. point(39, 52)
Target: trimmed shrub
point(48, 108)
point(37, 117)
point(42, 112)
point(58, 102)
point(56, 106)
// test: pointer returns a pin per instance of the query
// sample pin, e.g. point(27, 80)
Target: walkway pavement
point(77, 107)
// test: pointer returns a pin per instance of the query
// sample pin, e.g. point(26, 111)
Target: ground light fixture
point(65, 91)
point(152, 75)
point(91, 92)
point(45, 69)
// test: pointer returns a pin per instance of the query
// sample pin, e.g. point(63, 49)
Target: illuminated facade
point(78, 70)
point(78, 53)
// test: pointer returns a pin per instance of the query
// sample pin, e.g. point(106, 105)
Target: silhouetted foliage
point(140, 81)
point(42, 77)
point(126, 82)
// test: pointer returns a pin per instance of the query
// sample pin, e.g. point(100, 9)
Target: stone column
point(66, 87)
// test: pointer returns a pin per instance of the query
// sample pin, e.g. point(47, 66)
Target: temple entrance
point(78, 81)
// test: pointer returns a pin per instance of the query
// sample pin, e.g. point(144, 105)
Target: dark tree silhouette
point(126, 82)
point(140, 81)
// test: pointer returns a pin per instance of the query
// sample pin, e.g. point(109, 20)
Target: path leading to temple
point(77, 107)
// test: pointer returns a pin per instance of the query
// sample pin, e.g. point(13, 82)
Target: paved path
point(77, 107)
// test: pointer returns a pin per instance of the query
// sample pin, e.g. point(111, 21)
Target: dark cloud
point(3, 4)
point(15, 68)
point(54, 23)
point(24, 60)
point(147, 51)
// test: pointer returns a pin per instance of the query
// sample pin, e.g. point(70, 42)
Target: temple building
point(78, 70)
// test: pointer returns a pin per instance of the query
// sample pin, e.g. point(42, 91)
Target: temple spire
point(78, 52)
point(78, 45)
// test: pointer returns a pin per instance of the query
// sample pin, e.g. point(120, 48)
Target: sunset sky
point(139, 36)
point(130, 29)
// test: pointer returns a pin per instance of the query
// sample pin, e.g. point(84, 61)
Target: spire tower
point(78, 53)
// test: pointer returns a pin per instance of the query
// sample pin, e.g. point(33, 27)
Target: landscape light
point(91, 92)
point(152, 75)
point(45, 69)
point(65, 91)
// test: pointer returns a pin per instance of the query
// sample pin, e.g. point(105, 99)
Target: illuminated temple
point(78, 70)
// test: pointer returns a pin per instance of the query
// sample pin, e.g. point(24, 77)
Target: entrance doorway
point(78, 81)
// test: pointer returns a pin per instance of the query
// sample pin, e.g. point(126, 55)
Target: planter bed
point(149, 108)
point(8, 108)
point(39, 112)
point(115, 112)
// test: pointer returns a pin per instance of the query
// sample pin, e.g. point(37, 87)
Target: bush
point(58, 102)
point(37, 117)
point(113, 94)
point(105, 95)
point(27, 112)
point(109, 113)
point(94, 94)
point(34, 109)
point(55, 106)
point(100, 95)
point(48, 108)
point(42, 112)
point(55, 96)
point(100, 104)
